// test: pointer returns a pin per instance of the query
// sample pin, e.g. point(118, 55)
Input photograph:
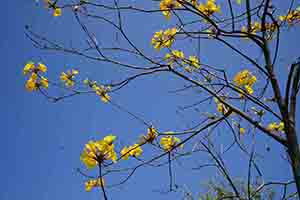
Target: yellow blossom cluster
point(90, 184)
point(292, 17)
point(35, 81)
point(101, 91)
point(150, 137)
point(209, 8)
point(163, 39)
point(134, 151)
point(68, 77)
point(174, 56)
point(246, 80)
point(256, 27)
point(56, 10)
point(169, 142)
point(166, 7)
point(276, 127)
point(96, 152)
point(190, 64)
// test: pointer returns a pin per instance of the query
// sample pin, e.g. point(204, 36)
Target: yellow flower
point(57, 12)
point(134, 151)
point(193, 64)
point(68, 77)
point(209, 8)
point(275, 127)
point(242, 131)
point(102, 91)
point(31, 85)
point(174, 56)
point(28, 68)
point(125, 153)
point(242, 77)
point(255, 27)
point(88, 156)
point(44, 82)
point(245, 79)
point(169, 142)
point(249, 89)
point(110, 139)
point(151, 135)
point(163, 39)
point(95, 153)
point(292, 17)
point(105, 151)
point(167, 5)
point(35, 81)
point(42, 67)
point(90, 184)
point(194, 61)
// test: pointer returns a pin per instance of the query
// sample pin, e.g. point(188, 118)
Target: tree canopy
point(224, 76)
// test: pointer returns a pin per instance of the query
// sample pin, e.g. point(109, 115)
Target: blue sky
point(42, 141)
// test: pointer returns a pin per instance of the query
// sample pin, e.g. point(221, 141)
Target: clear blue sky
point(41, 141)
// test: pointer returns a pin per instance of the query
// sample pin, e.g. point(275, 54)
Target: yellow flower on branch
point(57, 12)
point(134, 151)
point(194, 62)
point(44, 82)
point(163, 39)
point(68, 77)
point(209, 8)
point(92, 183)
point(125, 153)
point(110, 139)
point(31, 83)
point(42, 67)
point(53, 5)
point(246, 80)
point(276, 127)
point(102, 92)
point(174, 56)
point(169, 142)
point(292, 17)
point(35, 81)
point(30, 67)
point(255, 27)
point(97, 152)
point(151, 135)
point(166, 6)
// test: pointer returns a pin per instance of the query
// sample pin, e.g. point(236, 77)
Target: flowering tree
point(258, 99)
